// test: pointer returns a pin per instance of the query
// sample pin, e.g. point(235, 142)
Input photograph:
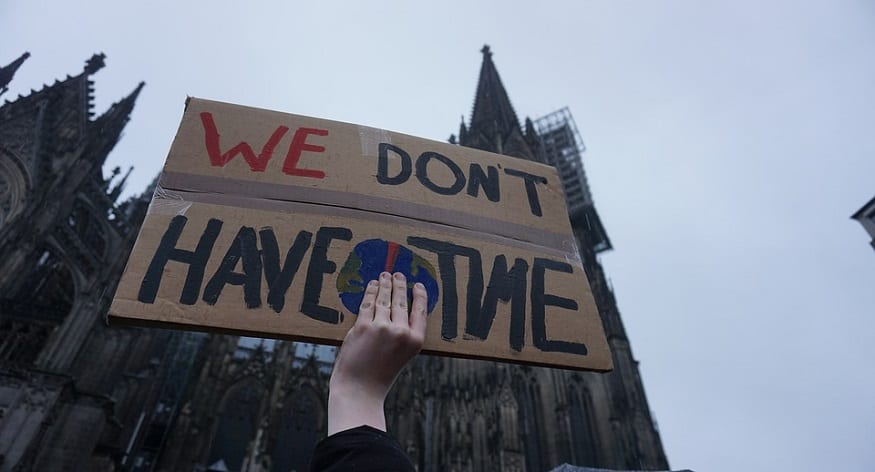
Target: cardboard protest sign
point(270, 224)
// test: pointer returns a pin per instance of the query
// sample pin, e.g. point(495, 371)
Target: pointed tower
point(494, 124)
point(108, 127)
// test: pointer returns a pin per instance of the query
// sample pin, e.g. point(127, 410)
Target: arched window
point(21, 341)
point(86, 227)
point(40, 301)
point(46, 292)
point(532, 432)
point(300, 428)
point(14, 187)
point(237, 424)
point(480, 447)
point(583, 439)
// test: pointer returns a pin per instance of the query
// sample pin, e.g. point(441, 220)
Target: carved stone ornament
point(13, 189)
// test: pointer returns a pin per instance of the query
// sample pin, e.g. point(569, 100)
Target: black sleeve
point(362, 449)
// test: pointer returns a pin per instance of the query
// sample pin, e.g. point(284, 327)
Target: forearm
point(351, 409)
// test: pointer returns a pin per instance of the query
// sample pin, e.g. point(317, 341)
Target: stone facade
point(71, 389)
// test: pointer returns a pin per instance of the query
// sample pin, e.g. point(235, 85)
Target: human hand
point(383, 339)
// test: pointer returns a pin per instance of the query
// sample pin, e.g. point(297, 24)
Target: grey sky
point(728, 145)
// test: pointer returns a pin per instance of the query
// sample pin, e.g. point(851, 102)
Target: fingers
point(366, 309)
point(382, 311)
point(418, 312)
point(385, 300)
point(399, 299)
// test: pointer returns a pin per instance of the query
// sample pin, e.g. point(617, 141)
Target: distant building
point(866, 217)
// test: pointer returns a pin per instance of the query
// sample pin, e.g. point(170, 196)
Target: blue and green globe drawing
point(370, 258)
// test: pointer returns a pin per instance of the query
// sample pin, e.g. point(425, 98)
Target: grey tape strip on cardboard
point(169, 202)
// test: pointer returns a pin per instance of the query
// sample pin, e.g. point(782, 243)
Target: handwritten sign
point(270, 224)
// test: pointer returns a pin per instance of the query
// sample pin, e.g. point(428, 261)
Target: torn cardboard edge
point(111, 320)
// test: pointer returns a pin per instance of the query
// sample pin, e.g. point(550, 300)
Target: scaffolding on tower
point(563, 148)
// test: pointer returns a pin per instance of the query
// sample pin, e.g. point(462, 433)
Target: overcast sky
point(728, 144)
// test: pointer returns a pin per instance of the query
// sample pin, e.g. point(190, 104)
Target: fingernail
point(419, 285)
point(399, 275)
point(384, 275)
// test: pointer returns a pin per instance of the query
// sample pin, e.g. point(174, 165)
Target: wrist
point(356, 388)
point(349, 408)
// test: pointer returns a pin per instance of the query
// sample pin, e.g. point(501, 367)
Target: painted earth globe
point(370, 258)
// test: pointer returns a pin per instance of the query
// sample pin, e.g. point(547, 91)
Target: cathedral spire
point(8, 72)
point(109, 126)
point(120, 112)
point(493, 112)
point(120, 187)
point(494, 124)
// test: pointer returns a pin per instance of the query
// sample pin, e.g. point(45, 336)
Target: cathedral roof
point(63, 115)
